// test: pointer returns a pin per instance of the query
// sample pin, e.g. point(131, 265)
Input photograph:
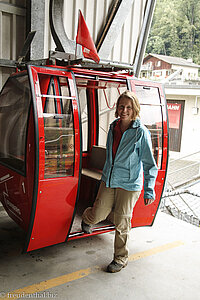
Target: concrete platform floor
point(164, 264)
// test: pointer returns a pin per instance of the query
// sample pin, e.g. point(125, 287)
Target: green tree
point(175, 29)
point(163, 37)
point(189, 28)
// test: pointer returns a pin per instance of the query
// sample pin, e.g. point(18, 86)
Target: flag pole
point(84, 39)
point(76, 51)
point(76, 34)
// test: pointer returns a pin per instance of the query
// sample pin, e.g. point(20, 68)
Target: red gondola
point(54, 122)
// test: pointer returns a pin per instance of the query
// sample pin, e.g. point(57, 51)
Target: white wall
point(12, 32)
point(188, 72)
point(190, 142)
point(95, 13)
point(13, 27)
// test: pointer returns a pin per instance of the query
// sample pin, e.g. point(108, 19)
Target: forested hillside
point(175, 29)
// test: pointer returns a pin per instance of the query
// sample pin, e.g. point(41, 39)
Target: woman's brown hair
point(134, 100)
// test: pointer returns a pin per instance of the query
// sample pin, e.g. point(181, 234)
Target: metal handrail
point(186, 156)
point(189, 165)
point(190, 216)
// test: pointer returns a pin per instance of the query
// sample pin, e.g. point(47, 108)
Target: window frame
point(147, 86)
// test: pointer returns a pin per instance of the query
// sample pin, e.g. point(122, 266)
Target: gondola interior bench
point(96, 163)
point(91, 176)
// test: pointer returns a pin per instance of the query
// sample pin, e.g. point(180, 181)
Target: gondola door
point(57, 156)
point(154, 116)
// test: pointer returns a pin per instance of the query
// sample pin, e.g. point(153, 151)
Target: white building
point(183, 106)
point(160, 67)
point(182, 89)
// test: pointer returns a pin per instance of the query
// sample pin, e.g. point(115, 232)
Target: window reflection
point(14, 110)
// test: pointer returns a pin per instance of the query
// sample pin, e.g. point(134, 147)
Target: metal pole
point(137, 62)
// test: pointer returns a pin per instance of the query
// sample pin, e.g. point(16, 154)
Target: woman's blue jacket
point(133, 158)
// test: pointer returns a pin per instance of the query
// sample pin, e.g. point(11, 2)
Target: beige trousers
point(118, 204)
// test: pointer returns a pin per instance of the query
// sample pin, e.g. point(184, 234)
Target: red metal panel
point(55, 208)
point(93, 120)
point(13, 190)
point(144, 215)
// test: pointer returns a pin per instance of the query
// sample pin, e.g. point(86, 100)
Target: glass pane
point(50, 106)
point(59, 146)
point(59, 133)
point(83, 86)
point(84, 116)
point(14, 109)
point(148, 95)
point(151, 117)
point(107, 98)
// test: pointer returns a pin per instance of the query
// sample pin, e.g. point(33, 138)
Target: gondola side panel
point(143, 215)
point(17, 156)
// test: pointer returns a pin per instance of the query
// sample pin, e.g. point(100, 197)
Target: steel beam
point(63, 43)
point(12, 9)
point(117, 17)
point(8, 63)
point(139, 55)
point(26, 46)
point(38, 24)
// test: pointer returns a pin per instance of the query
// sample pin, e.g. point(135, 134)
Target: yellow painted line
point(48, 284)
point(155, 250)
point(54, 282)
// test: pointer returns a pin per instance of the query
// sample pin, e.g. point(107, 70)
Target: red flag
point(84, 38)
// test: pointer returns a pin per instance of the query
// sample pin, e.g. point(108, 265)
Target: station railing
point(181, 198)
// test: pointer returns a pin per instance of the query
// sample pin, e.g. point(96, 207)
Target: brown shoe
point(86, 228)
point(114, 267)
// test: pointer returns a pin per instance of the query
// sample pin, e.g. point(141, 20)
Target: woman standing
point(128, 157)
